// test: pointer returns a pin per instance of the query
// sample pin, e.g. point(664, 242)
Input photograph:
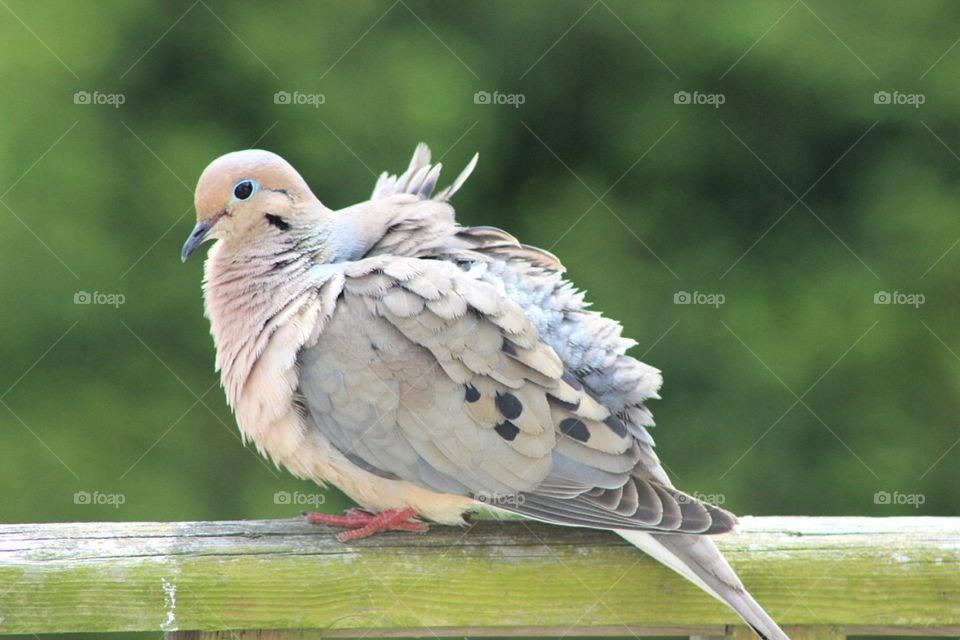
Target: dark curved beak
point(197, 236)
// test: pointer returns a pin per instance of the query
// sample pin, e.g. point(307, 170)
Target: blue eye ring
point(244, 189)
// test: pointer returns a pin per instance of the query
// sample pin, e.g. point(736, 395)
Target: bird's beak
point(198, 235)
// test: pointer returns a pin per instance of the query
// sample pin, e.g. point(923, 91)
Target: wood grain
point(882, 575)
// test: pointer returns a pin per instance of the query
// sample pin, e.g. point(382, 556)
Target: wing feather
point(478, 403)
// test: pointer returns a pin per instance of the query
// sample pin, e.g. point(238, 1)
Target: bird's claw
point(362, 524)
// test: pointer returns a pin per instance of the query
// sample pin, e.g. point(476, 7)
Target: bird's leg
point(362, 523)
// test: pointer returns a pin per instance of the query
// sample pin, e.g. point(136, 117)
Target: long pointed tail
point(698, 560)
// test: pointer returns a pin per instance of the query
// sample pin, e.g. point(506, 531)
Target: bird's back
point(590, 345)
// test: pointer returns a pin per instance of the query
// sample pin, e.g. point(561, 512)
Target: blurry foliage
point(99, 199)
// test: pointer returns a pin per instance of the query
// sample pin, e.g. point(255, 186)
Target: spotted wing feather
point(429, 374)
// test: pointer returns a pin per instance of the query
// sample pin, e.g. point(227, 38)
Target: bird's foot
point(362, 524)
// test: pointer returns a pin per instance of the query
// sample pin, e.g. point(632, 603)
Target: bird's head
point(249, 197)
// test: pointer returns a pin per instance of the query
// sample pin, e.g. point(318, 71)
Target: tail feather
point(698, 560)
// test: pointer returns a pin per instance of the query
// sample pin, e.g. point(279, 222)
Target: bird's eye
point(243, 189)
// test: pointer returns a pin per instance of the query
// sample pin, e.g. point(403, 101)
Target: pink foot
point(362, 523)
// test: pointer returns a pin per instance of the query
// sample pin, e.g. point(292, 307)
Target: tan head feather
point(215, 188)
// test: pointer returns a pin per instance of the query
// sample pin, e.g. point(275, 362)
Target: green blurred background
point(794, 202)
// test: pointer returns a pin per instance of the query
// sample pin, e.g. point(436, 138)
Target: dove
point(431, 370)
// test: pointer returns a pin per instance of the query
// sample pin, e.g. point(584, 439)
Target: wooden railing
point(283, 579)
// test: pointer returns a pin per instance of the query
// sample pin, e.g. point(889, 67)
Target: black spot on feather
point(509, 405)
point(616, 425)
point(569, 406)
point(575, 429)
point(508, 348)
point(471, 395)
point(507, 430)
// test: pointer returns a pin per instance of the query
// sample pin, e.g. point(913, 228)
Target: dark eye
point(243, 189)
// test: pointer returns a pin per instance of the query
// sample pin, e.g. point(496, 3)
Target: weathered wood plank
point(443, 632)
point(492, 579)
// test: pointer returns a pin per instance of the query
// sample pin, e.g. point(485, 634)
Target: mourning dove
point(430, 370)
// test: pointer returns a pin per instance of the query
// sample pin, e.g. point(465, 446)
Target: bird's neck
point(244, 291)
